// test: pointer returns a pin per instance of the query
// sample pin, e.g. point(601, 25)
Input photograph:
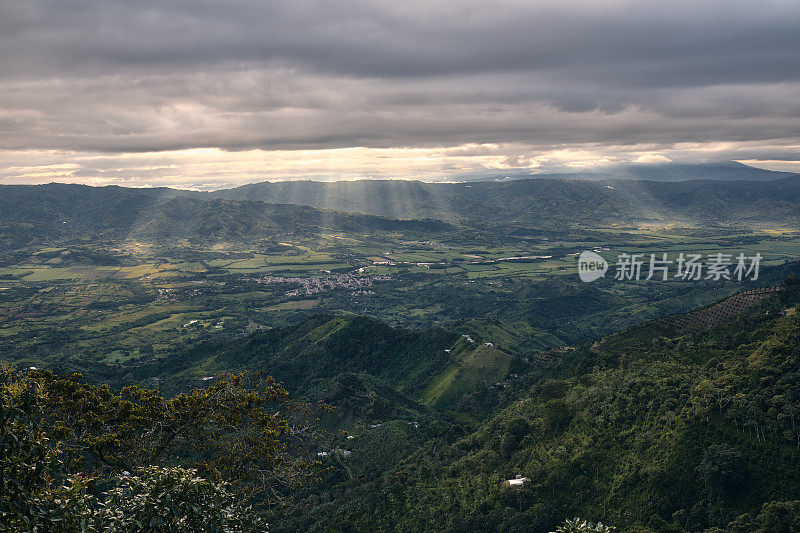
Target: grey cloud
point(146, 75)
point(660, 43)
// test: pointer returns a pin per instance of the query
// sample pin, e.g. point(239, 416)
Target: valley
point(143, 299)
point(445, 351)
point(400, 267)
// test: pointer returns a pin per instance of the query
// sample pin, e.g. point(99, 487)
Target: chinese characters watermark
point(661, 267)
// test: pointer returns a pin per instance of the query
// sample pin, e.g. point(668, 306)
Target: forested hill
point(44, 213)
point(47, 214)
point(649, 429)
point(643, 430)
point(548, 202)
point(318, 348)
point(722, 171)
point(436, 367)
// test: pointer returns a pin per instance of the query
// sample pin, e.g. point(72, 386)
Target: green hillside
point(322, 348)
point(436, 367)
point(642, 431)
point(472, 368)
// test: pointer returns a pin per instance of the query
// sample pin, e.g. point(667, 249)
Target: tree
point(35, 495)
point(516, 430)
point(170, 499)
point(243, 428)
point(556, 415)
point(576, 525)
point(61, 438)
point(773, 516)
point(722, 469)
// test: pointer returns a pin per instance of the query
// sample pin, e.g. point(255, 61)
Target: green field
point(145, 299)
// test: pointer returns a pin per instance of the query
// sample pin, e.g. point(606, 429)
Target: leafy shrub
point(576, 525)
point(172, 499)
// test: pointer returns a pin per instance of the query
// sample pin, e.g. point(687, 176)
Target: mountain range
point(268, 209)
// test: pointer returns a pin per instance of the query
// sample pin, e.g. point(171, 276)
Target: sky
point(208, 94)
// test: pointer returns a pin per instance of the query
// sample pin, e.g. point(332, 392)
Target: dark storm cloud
point(650, 43)
point(158, 75)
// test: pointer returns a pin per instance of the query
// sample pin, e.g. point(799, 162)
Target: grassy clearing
point(479, 367)
point(127, 317)
point(296, 304)
point(316, 268)
point(52, 274)
point(16, 271)
point(138, 271)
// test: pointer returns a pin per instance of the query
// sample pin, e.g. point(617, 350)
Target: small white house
point(518, 481)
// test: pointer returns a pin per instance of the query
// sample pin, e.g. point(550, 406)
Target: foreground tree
point(243, 428)
point(172, 499)
point(576, 525)
point(35, 493)
point(60, 439)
